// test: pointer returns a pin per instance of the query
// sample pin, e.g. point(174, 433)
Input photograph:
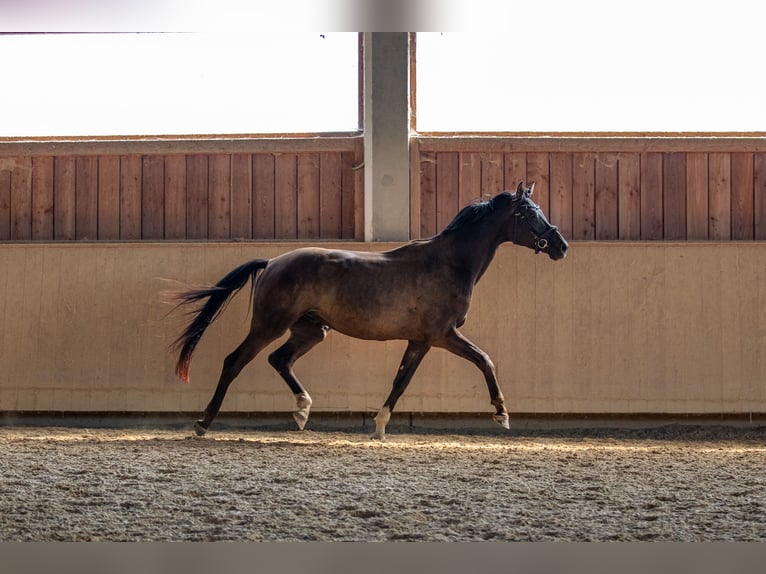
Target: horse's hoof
point(378, 436)
point(199, 429)
point(502, 420)
point(301, 417)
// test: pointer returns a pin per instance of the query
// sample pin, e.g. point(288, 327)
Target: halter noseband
point(541, 241)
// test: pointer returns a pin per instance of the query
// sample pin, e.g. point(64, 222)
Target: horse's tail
point(217, 297)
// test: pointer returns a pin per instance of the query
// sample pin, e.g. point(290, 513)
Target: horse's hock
point(628, 328)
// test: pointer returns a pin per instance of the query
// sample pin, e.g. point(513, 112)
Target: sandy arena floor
point(670, 483)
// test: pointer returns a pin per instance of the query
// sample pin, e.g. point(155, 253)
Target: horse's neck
point(472, 253)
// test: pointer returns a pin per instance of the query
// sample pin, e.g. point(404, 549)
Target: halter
point(541, 241)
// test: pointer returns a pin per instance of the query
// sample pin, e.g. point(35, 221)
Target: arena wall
point(616, 327)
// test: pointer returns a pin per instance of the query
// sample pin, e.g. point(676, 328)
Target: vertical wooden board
point(286, 196)
point(515, 170)
point(674, 195)
point(5, 198)
point(719, 190)
point(697, 211)
point(219, 220)
point(469, 178)
point(21, 199)
point(447, 188)
point(42, 198)
point(538, 172)
point(359, 193)
point(197, 200)
point(652, 221)
point(492, 174)
point(348, 195)
point(308, 196)
point(153, 197)
point(86, 198)
point(414, 187)
point(264, 216)
point(561, 192)
point(175, 197)
point(109, 197)
point(629, 196)
point(241, 196)
point(759, 192)
point(742, 196)
point(427, 195)
point(330, 195)
point(130, 197)
point(606, 196)
point(583, 196)
point(64, 198)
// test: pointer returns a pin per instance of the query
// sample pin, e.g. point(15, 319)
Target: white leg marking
point(303, 402)
point(381, 420)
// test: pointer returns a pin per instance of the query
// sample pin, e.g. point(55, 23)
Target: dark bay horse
point(419, 292)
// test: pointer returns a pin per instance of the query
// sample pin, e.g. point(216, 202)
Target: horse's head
point(530, 228)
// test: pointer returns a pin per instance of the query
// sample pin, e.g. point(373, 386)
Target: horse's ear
point(520, 189)
point(530, 190)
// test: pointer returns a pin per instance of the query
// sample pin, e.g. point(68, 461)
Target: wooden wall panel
point(241, 196)
point(286, 197)
point(197, 200)
point(42, 198)
point(153, 197)
point(264, 194)
point(610, 193)
point(175, 197)
point(108, 195)
point(130, 197)
point(308, 196)
point(21, 199)
point(447, 188)
point(330, 196)
point(64, 198)
point(219, 214)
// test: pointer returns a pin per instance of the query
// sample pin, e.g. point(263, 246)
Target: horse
point(419, 292)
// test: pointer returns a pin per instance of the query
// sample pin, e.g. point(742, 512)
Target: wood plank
point(469, 178)
point(561, 192)
point(109, 197)
point(64, 198)
point(583, 196)
point(447, 188)
point(606, 196)
point(652, 219)
point(219, 194)
point(21, 199)
point(348, 196)
point(86, 198)
point(330, 195)
point(697, 210)
point(428, 227)
point(759, 189)
point(538, 172)
point(175, 197)
point(719, 189)
point(629, 196)
point(197, 199)
point(359, 193)
point(241, 196)
point(515, 170)
point(414, 188)
point(286, 196)
point(42, 198)
point(264, 217)
point(5, 198)
point(308, 196)
point(492, 174)
point(742, 200)
point(153, 197)
point(130, 197)
point(674, 195)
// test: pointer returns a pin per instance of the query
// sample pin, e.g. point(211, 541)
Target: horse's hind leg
point(456, 343)
point(410, 362)
point(232, 365)
point(305, 333)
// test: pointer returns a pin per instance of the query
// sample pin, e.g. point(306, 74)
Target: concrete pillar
point(386, 137)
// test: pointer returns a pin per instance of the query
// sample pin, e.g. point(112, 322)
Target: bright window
point(179, 84)
point(597, 66)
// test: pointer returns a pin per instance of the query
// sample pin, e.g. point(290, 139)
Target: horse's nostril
point(564, 247)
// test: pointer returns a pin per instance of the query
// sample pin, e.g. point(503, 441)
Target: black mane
point(474, 213)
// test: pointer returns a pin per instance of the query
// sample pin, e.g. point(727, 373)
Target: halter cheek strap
point(540, 241)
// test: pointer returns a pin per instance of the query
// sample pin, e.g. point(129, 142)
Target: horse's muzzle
point(557, 247)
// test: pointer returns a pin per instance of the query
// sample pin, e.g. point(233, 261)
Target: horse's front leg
point(410, 362)
point(456, 343)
